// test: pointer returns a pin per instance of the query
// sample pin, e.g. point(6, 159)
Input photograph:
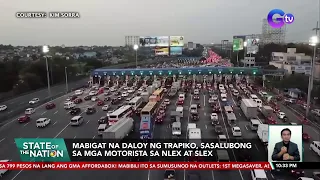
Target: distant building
point(249, 61)
point(272, 35)
point(294, 62)
point(190, 45)
point(132, 40)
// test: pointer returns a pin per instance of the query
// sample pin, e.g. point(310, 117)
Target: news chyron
point(38, 15)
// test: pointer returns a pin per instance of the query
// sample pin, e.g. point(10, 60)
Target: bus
point(147, 114)
point(122, 113)
point(135, 102)
point(159, 93)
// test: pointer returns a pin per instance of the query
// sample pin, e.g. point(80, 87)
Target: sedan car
point(77, 101)
point(34, 101)
point(105, 107)
point(218, 129)
point(103, 120)
point(87, 98)
point(3, 107)
point(100, 103)
point(305, 136)
point(75, 111)
point(90, 110)
point(24, 118)
point(281, 115)
point(50, 105)
point(94, 98)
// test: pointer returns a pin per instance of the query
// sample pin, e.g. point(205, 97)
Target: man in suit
point(286, 150)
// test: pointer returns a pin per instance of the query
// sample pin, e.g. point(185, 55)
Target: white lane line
point(74, 137)
point(246, 127)
point(9, 113)
point(2, 139)
point(204, 101)
point(206, 126)
point(12, 102)
point(62, 130)
point(17, 174)
point(93, 137)
point(21, 103)
point(223, 120)
point(87, 122)
point(56, 112)
point(212, 175)
point(13, 120)
point(25, 124)
point(54, 123)
point(43, 113)
point(37, 137)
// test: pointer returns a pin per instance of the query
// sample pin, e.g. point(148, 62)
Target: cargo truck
point(176, 128)
point(119, 130)
point(266, 111)
point(249, 108)
point(145, 96)
point(151, 89)
point(263, 133)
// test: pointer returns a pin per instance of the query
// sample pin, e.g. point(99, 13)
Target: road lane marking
point(17, 174)
point(56, 112)
point(21, 103)
point(87, 122)
point(62, 130)
point(12, 102)
point(9, 113)
point(74, 137)
point(316, 125)
point(34, 108)
point(246, 127)
point(93, 137)
point(37, 137)
point(206, 126)
point(2, 139)
point(54, 123)
point(212, 175)
point(25, 124)
point(43, 113)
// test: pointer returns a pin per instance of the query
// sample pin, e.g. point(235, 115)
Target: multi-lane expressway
point(59, 128)
point(23, 100)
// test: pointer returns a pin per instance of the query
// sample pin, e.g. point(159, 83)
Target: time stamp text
point(40, 15)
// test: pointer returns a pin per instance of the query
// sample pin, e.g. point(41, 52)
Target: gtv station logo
point(278, 22)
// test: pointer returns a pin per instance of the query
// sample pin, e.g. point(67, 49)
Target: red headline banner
point(135, 165)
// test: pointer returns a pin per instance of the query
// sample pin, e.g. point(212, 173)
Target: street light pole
point(136, 47)
point(48, 77)
point(313, 42)
point(66, 75)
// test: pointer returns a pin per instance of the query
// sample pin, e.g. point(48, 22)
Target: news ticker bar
point(157, 165)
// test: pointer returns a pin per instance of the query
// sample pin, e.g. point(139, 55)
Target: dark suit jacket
point(292, 151)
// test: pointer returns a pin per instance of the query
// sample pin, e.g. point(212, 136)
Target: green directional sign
point(238, 42)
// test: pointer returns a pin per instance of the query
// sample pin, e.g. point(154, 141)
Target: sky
point(107, 22)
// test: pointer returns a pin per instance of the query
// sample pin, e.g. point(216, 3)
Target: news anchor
point(286, 150)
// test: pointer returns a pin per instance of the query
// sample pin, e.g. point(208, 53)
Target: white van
point(42, 122)
point(223, 97)
point(254, 124)
point(315, 146)
point(102, 128)
point(258, 174)
point(180, 111)
point(259, 102)
point(69, 105)
point(191, 126)
point(76, 121)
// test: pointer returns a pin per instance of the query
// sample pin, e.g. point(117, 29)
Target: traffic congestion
point(160, 107)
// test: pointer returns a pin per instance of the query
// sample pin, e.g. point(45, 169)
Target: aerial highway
point(60, 128)
point(15, 103)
